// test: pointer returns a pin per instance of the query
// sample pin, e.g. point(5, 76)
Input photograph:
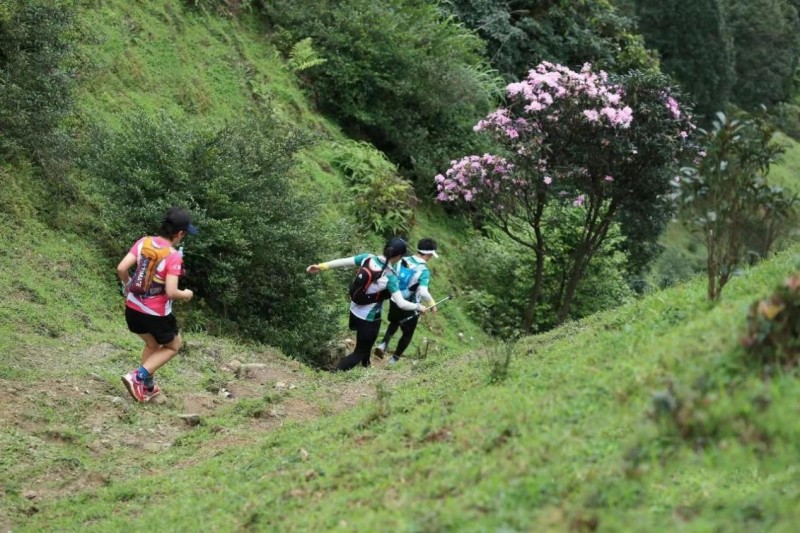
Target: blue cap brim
point(191, 230)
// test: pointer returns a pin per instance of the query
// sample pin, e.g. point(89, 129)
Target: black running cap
point(398, 247)
point(180, 220)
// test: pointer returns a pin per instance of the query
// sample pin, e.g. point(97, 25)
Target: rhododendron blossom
point(548, 87)
point(473, 175)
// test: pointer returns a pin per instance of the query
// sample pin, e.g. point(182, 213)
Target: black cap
point(396, 246)
point(179, 220)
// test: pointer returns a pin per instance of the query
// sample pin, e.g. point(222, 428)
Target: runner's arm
point(336, 263)
point(405, 305)
point(174, 292)
point(124, 268)
point(425, 294)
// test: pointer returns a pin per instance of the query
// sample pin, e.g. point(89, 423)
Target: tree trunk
point(533, 299)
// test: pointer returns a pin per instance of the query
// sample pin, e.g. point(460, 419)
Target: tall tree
point(696, 47)
point(767, 43)
point(572, 141)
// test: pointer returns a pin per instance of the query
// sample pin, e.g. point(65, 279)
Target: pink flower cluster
point(544, 93)
point(674, 108)
point(473, 175)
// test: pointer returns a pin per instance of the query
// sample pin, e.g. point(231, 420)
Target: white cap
point(429, 252)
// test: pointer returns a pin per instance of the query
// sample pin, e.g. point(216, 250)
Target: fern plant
point(303, 56)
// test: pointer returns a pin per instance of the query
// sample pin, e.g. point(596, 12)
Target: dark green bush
point(257, 233)
point(35, 79)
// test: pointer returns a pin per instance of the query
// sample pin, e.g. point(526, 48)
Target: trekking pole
point(434, 305)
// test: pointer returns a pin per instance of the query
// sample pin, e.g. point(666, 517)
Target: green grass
point(564, 441)
point(563, 437)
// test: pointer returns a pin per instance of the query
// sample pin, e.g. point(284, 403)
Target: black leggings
point(407, 327)
point(366, 335)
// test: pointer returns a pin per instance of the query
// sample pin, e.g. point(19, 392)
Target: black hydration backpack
point(364, 278)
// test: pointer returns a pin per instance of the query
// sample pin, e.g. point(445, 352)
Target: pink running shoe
point(134, 385)
point(150, 394)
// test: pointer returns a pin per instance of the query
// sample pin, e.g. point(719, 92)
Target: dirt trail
point(84, 433)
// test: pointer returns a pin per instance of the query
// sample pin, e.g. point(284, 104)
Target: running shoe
point(150, 394)
point(134, 385)
point(394, 360)
point(379, 350)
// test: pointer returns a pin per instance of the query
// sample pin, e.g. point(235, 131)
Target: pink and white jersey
point(156, 302)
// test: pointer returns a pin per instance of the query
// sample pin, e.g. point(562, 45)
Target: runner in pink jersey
point(150, 315)
point(156, 302)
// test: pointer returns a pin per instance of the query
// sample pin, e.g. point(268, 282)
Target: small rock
point(280, 385)
point(224, 393)
point(29, 494)
point(116, 400)
point(292, 386)
point(95, 446)
point(303, 454)
point(191, 419)
point(311, 474)
point(460, 336)
point(234, 365)
point(249, 369)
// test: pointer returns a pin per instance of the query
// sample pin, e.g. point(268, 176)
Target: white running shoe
point(379, 350)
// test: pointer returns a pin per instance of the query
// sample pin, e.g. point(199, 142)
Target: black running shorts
point(163, 328)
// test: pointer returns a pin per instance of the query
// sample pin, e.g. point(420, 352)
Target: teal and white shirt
point(413, 272)
point(387, 281)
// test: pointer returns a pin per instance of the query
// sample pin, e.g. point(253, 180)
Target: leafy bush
point(35, 80)
point(773, 326)
point(724, 197)
point(257, 234)
point(383, 202)
point(397, 73)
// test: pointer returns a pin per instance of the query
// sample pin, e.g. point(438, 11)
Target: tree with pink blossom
point(579, 140)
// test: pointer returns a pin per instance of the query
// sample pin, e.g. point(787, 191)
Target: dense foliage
point(396, 72)
point(35, 80)
point(497, 285)
point(522, 33)
point(696, 47)
point(740, 51)
point(257, 234)
point(580, 141)
point(766, 34)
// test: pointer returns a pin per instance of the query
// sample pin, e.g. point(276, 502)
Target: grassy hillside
point(565, 440)
point(558, 431)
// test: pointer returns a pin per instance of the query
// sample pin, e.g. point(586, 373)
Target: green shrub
point(257, 233)
point(35, 79)
point(383, 201)
point(497, 277)
point(773, 326)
